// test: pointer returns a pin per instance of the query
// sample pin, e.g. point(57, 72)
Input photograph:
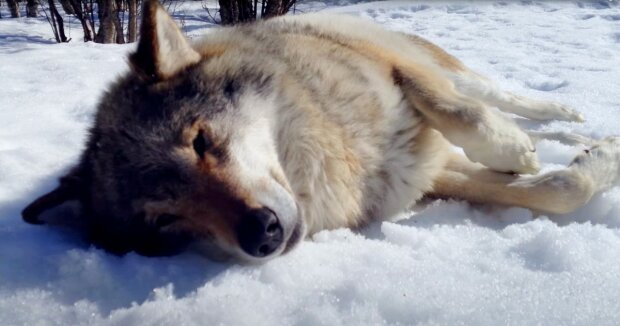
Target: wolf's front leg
point(485, 136)
point(475, 85)
point(499, 144)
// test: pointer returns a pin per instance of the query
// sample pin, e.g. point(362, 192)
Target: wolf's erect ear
point(71, 188)
point(162, 50)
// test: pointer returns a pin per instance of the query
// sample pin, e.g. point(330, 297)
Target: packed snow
point(445, 262)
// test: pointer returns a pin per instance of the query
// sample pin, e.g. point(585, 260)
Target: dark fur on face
point(152, 176)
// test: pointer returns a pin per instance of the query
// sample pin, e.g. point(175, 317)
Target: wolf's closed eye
point(201, 144)
point(164, 220)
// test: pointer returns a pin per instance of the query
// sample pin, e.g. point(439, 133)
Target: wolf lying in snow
point(247, 140)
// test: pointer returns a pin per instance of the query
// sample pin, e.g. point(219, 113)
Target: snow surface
point(443, 263)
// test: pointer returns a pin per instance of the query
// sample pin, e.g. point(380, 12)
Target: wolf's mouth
point(299, 233)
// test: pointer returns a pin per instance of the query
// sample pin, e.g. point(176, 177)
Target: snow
point(446, 262)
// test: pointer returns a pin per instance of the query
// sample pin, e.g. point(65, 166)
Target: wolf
point(242, 143)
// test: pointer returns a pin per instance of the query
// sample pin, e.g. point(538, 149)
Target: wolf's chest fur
point(351, 146)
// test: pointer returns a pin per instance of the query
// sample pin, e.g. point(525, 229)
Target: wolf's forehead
point(136, 112)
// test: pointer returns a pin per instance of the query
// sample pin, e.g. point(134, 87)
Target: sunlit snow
point(446, 262)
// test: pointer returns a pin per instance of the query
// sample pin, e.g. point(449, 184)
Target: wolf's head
point(182, 152)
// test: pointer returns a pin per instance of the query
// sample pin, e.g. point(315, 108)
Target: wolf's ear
point(162, 50)
point(71, 188)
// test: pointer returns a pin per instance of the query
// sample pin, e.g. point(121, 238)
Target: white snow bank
point(449, 263)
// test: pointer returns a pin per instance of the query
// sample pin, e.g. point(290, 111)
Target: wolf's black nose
point(260, 233)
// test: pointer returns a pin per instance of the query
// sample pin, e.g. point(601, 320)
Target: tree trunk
point(273, 8)
point(106, 33)
point(32, 8)
point(228, 12)
point(246, 11)
point(287, 5)
point(13, 8)
point(90, 13)
point(239, 11)
point(116, 20)
point(236, 11)
point(58, 23)
point(277, 7)
point(132, 28)
point(83, 18)
point(67, 7)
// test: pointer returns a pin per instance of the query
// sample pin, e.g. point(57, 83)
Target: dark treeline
point(238, 11)
point(104, 21)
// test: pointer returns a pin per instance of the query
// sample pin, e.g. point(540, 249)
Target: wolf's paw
point(601, 163)
point(506, 149)
point(557, 111)
point(520, 160)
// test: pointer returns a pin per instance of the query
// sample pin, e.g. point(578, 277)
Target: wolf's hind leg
point(566, 138)
point(480, 87)
point(557, 192)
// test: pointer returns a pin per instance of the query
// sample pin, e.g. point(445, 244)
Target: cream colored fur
point(357, 151)
point(375, 155)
